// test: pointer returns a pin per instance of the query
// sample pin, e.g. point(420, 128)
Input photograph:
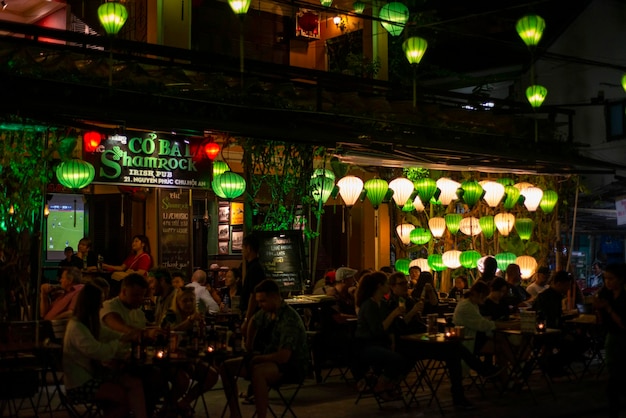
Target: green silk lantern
point(530, 29)
point(402, 265)
point(240, 7)
point(75, 174)
point(504, 259)
point(453, 222)
point(408, 206)
point(512, 197)
point(487, 225)
point(548, 201)
point(321, 188)
point(326, 3)
point(426, 188)
point(219, 167)
point(112, 16)
point(217, 189)
point(376, 191)
point(536, 94)
point(414, 49)
point(524, 228)
point(469, 259)
point(358, 7)
point(420, 236)
point(323, 172)
point(231, 184)
point(472, 192)
point(624, 82)
point(505, 181)
point(393, 17)
point(435, 262)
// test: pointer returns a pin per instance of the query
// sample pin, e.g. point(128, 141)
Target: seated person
point(88, 259)
point(549, 302)
point(321, 284)
point(70, 260)
point(517, 296)
point(493, 308)
point(460, 284)
point(340, 290)
point(540, 283)
point(83, 349)
point(277, 347)
point(178, 279)
point(204, 298)
point(411, 322)
point(58, 303)
point(414, 274)
point(139, 261)
point(231, 289)
point(425, 291)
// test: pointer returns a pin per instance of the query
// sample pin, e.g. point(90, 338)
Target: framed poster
point(237, 241)
point(223, 232)
point(222, 248)
point(223, 213)
point(236, 213)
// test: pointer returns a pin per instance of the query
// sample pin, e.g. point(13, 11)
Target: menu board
point(175, 230)
point(281, 254)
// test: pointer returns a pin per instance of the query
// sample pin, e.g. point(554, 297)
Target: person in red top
point(140, 261)
point(59, 306)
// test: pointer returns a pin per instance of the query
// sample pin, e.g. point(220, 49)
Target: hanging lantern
point(417, 204)
point(504, 222)
point(75, 174)
point(451, 259)
point(536, 94)
point(220, 167)
point(493, 192)
point(326, 3)
point(408, 206)
point(112, 16)
point(321, 187)
point(420, 236)
point(512, 197)
point(376, 191)
point(350, 188)
point(231, 184)
point(402, 190)
point(472, 192)
point(548, 201)
point(448, 189)
point(393, 17)
point(505, 181)
point(240, 7)
point(323, 172)
point(480, 264)
point(487, 226)
point(532, 198)
point(358, 7)
point(91, 141)
point(524, 228)
point(530, 28)
point(453, 221)
point(527, 265)
point(414, 48)
point(404, 232)
point(422, 263)
point(435, 262)
point(211, 149)
point(522, 185)
point(437, 226)
point(402, 265)
point(504, 259)
point(470, 226)
point(469, 259)
point(217, 189)
point(426, 188)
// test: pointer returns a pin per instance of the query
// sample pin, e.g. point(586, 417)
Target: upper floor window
point(615, 121)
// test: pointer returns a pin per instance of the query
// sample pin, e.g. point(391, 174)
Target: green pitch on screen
point(62, 232)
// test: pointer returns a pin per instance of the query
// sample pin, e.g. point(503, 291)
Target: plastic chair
point(287, 400)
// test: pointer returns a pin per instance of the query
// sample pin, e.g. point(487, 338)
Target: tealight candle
point(160, 354)
point(210, 349)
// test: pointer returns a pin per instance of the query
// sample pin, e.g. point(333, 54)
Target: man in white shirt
point(204, 300)
point(541, 282)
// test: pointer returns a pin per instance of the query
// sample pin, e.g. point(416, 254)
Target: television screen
point(66, 224)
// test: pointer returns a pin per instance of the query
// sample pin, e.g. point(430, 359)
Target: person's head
point(561, 281)
point(361, 273)
point(178, 279)
point(87, 308)
point(186, 301)
point(478, 292)
point(162, 281)
point(133, 290)
point(615, 276)
point(398, 284)
point(345, 276)
point(199, 276)
point(329, 277)
point(414, 273)
point(84, 245)
point(542, 275)
point(267, 295)
point(250, 247)
point(490, 266)
point(102, 284)
point(372, 285)
point(499, 289)
point(460, 282)
point(68, 252)
point(597, 268)
point(513, 274)
point(140, 243)
point(233, 277)
point(424, 278)
point(387, 270)
point(69, 277)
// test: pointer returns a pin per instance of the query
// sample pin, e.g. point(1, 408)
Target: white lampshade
point(404, 232)
point(470, 226)
point(532, 197)
point(437, 226)
point(448, 188)
point(480, 264)
point(350, 188)
point(402, 190)
point(422, 263)
point(452, 259)
point(505, 223)
point(527, 265)
point(494, 192)
point(417, 204)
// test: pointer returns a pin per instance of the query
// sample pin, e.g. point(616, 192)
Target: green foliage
point(514, 244)
point(416, 173)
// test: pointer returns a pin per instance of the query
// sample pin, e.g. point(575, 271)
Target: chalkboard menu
point(281, 254)
point(175, 230)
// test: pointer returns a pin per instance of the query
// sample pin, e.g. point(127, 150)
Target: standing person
point(139, 261)
point(254, 275)
point(611, 304)
point(204, 300)
point(541, 282)
point(596, 281)
point(82, 349)
point(232, 289)
point(62, 305)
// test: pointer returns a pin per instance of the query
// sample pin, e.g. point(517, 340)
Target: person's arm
point(416, 311)
point(83, 340)
point(250, 333)
point(121, 267)
point(392, 315)
point(467, 316)
point(44, 303)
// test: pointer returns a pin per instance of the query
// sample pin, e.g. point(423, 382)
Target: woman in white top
point(83, 355)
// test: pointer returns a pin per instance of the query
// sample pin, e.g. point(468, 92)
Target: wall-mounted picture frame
point(222, 248)
point(236, 213)
point(223, 214)
point(223, 233)
point(237, 241)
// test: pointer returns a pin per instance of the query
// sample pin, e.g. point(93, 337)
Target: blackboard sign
point(281, 254)
point(175, 230)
